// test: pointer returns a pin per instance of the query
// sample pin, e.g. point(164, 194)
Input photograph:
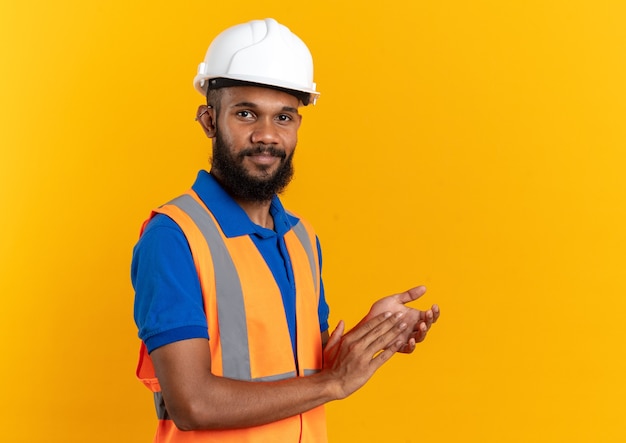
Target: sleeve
point(168, 299)
point(323, 309)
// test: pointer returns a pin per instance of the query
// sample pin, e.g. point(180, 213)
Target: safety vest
point(249, 336)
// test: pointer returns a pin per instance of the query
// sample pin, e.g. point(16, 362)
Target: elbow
point(185, 423)
point(193, 417)
point(184, 426)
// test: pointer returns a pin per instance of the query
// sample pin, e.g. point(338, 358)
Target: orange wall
point(475, 147)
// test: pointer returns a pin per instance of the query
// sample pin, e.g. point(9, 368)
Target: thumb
point(336, 335)
point(411, 295)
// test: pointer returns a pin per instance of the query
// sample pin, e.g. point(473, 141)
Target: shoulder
point(162, 248)
point(161, 222)
point(161, 231)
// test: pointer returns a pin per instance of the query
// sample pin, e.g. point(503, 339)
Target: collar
point(232, 219)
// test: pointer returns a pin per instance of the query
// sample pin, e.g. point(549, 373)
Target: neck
point(259, 212)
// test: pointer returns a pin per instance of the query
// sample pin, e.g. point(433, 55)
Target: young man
point(229, 299)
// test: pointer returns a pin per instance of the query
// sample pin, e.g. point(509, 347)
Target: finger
point(411, 346)
point(430, 318)
point(411, 295)
point(436, 312)
point(385, 335)
point(420, 335)
point(363, 329)
point(385, 355)
point(336, 335)
point(408, 347)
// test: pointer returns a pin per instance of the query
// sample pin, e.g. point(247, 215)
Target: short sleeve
point(168, 299)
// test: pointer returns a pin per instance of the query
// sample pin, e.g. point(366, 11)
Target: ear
point(206, 117)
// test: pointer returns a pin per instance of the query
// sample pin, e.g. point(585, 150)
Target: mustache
point(263, 149)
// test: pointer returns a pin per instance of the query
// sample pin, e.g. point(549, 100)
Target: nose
point(265, 132)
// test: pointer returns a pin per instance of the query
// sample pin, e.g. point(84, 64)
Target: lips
point(263, 158)
point(267, 151)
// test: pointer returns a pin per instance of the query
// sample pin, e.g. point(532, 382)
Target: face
point(254, 139)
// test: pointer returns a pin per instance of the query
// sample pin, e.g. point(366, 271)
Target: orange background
point(475, 147)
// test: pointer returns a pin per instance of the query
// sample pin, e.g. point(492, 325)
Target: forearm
point(221, 403)
point(197, 399)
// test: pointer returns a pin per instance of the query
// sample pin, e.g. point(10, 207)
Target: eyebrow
point(254, 105)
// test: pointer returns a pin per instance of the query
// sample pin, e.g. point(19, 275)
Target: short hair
point(214, 99)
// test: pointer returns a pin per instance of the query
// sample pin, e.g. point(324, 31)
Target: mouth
point(263, 152)
point(263, 159)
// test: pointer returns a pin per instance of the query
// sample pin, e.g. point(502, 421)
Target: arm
point(197, 399)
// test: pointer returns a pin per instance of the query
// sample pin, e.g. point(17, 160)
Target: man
point(229, 299)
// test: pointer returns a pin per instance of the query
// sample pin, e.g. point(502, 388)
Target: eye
point(284, 118)
point(245, 115)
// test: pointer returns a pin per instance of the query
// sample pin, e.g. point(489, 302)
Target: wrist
point(330, 387)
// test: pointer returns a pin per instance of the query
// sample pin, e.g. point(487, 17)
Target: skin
point(421, 321)
point(197, 399)
point(251, 116)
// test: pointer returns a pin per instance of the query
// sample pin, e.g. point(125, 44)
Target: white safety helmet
point(262, 52)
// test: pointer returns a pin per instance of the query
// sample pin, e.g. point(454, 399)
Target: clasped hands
point(389, 327)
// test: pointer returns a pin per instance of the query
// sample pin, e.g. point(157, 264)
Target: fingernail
point(387, 314)
point(402, 325)
point(399, 314)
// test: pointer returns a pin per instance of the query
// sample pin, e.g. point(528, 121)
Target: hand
point(419, 322)
point(351, 359)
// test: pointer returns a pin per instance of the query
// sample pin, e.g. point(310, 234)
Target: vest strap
point(230, 305)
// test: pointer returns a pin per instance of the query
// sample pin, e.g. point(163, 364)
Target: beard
point(239, 183)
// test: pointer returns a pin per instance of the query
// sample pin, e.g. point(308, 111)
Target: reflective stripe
point(303, 236)
point(277, 377)
point(286, 375)
point(230, 306)
point(159, 404)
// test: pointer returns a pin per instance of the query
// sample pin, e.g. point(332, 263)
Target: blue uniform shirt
point(168, 300)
